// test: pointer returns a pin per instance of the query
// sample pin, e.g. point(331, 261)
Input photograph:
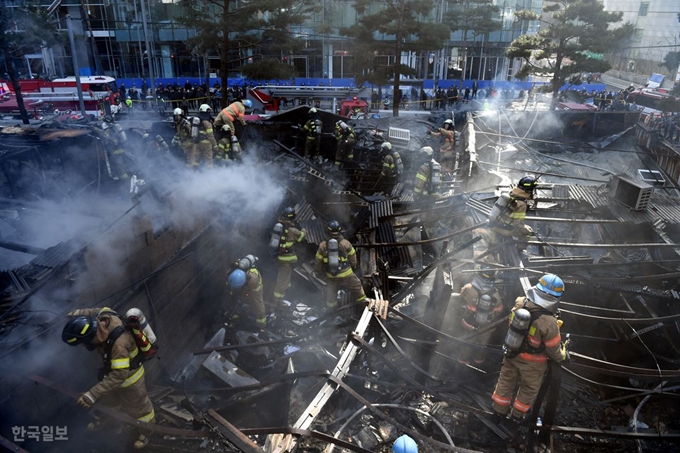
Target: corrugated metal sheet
point(56, 256)
point(303, 210)
point(316, 231)
point(661, 207)
point(378, 210)
point(398, 257)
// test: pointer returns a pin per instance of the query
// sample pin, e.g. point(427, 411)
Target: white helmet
point(178, 111)
point(449, 122)
point(427, 150)
point(204, 108)
point(386, 146)
point(226, 128)
point(312, 110)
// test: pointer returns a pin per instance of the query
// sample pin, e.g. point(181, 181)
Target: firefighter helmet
point(334, 227)
point(205, 108)
point(487, 273)
point(312, 110)
point(237, 279)
point(178, 112)
point(79, 330)
point(449, 122)
point(226, 128)
point(427, 150)
point(288, 213)
point(386, 146)
point(405, 444)
point(527, 184)
point(551, 284)
point(248, 103)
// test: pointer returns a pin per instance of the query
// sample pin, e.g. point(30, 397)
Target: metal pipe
point(76, 70)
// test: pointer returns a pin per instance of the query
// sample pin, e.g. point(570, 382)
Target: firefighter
point(234, 111)
point(448, 139)
point(507, 215)
point(346, 138)
point(182, 136)
point(245, 280)
point(483, 305)
point(224, 144)
point(427, 183)
point(533, 339)
point(392, 165)
point(285, 253)
point(114, 138)
point(339, 266)
point(313, 128)
point(121, 380)
point(205, 144)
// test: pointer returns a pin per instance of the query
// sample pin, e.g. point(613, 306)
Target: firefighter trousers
point(530, 376)
point(350, 283)
point(478, 355)
point(117, 160)
point(134, 401)
point(312, 147)
point(345, 150)
point(283, 281)
point(256, 302)
point(201, 149)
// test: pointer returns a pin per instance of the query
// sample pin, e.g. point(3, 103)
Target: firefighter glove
point(86, 400)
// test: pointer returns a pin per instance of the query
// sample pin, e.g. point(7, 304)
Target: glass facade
point(112, 42)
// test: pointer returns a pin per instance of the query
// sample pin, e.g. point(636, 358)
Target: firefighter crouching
point(121, 380)
point(246, 282)
point(228, 146)
point(483, 305)
point(533, 339)
point(234, 111)
point(285, 235)
point(337, 258)
point(427, 184)
point(313, 128)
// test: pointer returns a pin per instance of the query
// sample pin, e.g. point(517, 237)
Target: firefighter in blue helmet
point(246, 282)
point(405, 444)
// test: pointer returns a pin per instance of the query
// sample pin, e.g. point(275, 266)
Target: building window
point(644, 6)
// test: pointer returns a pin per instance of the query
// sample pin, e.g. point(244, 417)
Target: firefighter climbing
point(121, 379)
point(337, 259)
point(532, 339)
point(284, 237)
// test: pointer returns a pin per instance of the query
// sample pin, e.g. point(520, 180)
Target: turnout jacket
point(543, 340)
point(123, 351)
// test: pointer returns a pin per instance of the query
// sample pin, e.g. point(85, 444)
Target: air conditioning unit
point(631, 192)
point(399, 138)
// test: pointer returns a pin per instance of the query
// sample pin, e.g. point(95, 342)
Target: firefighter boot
point(141, 442)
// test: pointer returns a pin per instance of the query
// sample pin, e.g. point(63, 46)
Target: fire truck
point(59, 94)
point(273, 97)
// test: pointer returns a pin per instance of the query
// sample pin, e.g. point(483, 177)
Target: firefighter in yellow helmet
point(533, 339)
point(337, 258)
point(285, 253)
point(121, 380)
point(508, 213)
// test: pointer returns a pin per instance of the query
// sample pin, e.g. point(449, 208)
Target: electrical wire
point(394, 406)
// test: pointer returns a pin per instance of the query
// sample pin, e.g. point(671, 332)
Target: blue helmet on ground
point(248, 103)
point(551, 284)
point(405, 444)
point(237, 279)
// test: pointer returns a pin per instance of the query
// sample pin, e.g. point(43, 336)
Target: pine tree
point(224, 25)
point(566, 44)
point(403, 25)
point(24, 29)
